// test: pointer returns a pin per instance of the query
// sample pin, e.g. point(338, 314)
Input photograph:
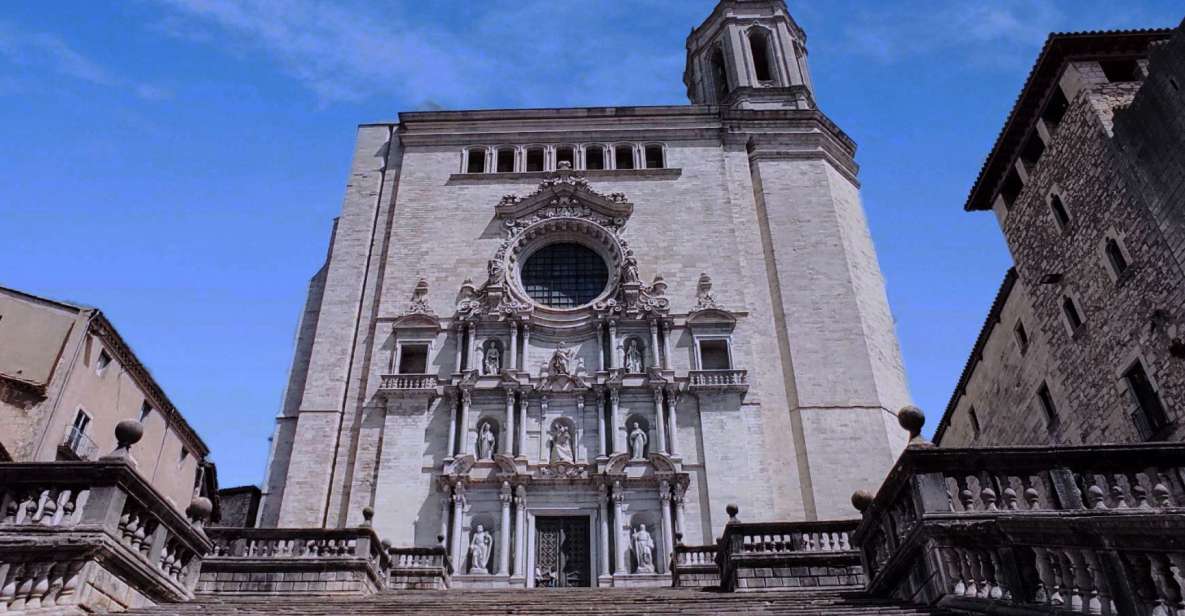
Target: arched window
point(759, 48)
point(594, 157)
point(719, 75)
point(654, 157)
point(476, 162)
point(535, 159)
point(505, 160)
point(623, 156)
point(565, 154)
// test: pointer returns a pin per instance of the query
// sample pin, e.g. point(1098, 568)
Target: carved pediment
point(565, 195)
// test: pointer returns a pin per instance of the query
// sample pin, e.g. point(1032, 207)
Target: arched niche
point(561, 440)
point(493, 356)
point(643, 425)
point(633, 355)
point(488, 440)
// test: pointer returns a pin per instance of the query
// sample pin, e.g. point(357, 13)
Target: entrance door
point(562, 552)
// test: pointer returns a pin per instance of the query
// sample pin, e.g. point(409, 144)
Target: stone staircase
point(552, 602)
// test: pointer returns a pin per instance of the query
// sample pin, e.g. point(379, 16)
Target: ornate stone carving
point(481, 547)
point(704, 300)
point(419, 300)
point(564, 470)
point(643, 546)
point(563, 361)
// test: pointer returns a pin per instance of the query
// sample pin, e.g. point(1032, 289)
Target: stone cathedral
point(555, 340)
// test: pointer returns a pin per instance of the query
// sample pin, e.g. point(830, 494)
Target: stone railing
point(419, 568)
point(411, 383)
point(94, 535)
point(1097, 530)
point(725, 380)
point(779, 555)
point(694, 565)
point(294, 561)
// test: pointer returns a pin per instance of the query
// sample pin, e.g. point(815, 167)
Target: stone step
point(551, 602)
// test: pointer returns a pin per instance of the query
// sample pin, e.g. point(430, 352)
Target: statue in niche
point(638, 440)
point(561, 444)
point(486, 442)
point(563, 361)
point(493, 361)
point(643, 545)
point(480, 549)
point(633, 357)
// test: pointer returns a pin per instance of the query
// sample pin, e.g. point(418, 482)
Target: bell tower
point(748, 54)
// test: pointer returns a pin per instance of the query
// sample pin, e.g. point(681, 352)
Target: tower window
point(1148, 405)
point(1060, 214)
point(654, 158)
point(759, 47)
point(506, 160)
point(1022, 336)
point(719, 75)
point(77, 437)
point(565, 154)
point(104, 361)
point(1121, 70)
point(1055, 109)
point(1045, 399)
point(974, 417)
point(713, 355)
point(413, 359)
point(1073, 317)
point(1032, 151)
point(1011, 188)
point(477, 161)
point(145, 411)
point(1115, 257)
point(623, 156)
point(594, 157)
point(535, 159)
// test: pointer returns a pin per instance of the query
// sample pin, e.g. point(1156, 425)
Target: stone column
point(673, 404)
point(543, 401)
point(579, 429)
point(446, 498)
point(668, 534)
point(504, 537)
point(619, 524)
point(463, 433)
point(513, 345)
point(612, 344)
point(472, 365)
point(660, 423)
point(452, 427)
point(604, 513)
point(522, 427)
point(460, 344)
point(526, 346)
point(666, 345)
point(601, 423)
point(508, 432)
point(654, 353)
point(600, 347)
point(458, 555)
point(614, 421)
point(520, 532)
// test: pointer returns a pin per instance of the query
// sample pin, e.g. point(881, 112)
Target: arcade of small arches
point(553, 157)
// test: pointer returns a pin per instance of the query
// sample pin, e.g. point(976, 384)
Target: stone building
point(596, 324)
point(1084, 342)
point(67, 378)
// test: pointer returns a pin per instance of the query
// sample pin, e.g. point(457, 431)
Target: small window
point(1032, 151)
point(1055, 109)
point(1148, 404)
point(104, 361)
point(184, 455)
point(477, 161)
point(535, 159)
point(1121, 70)
point(654, 158)
point(1011, 188)
point(719, 75)
point(1060, 215)
point(594, 157)
point(623, 156)
point(759, 46)
point(713, 355)
point(565, 154)
point(413, 359)
point(1022, 336)
point(506, 160)
point(145, 411)
point(76, 439)
point(974, 417)
point(1070, 309)
point(1115, 257)
point(1045, 399)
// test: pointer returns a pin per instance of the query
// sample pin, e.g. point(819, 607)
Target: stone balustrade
point(419, 568)
point(779, 555)
point(694, 565)
point(1096, 530)
point(93, 535)
point(723, 380)
point(411, 383)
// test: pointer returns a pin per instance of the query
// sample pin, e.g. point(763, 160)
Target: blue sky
point(178, 163)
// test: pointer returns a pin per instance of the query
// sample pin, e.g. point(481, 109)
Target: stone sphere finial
point(367, 516)
point(127, 433)
point(732, 510)
point(912, 419)
point(199, 510)
point(861, 500)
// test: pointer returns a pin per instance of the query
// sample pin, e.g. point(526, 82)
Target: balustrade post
point(156, 543)
point(1121, 581)
point(930, 493)
point(104, 507)
point(1065, 489)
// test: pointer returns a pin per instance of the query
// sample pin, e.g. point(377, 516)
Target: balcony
point(77, 446)
point(404, 384)
point(718, 380)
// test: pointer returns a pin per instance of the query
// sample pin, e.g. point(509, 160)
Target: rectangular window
point(623, 156)
point(1011, 188)
point(1070, 309)
point(104, 361)
point(477, 161)
point(184, 455)
point(506, 160)
point(145, 411)
point(713, 355)
point(1060, 215)
point(1055, 109)
point(1022, 336)
point(76, 439)
point(535, 159)
point(1045, 399)
point(1120, 70)
point(1149, 406)
point(654, 158)
point(413, 359)
point(565, 154)
point(974, 417)
point(1032, 151)
point(1115, 257)
point(594, 157)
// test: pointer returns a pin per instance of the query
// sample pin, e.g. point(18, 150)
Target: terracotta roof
point(1059, 48)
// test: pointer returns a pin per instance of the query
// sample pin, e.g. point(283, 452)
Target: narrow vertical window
point(1022, 336)
point(1060, 215)
point(759, 47)
point(974, 417)
point(1045, 399)
point(535, 159)
point(104, 361)
point(476, 162)
point(506, 160)
point(1149, 408)
point(1070, 309)
point(654, 158)
point(719, 75)
point(184, 455)
point(594, 157)
point(1115, 257)
point(623, 156)
point(145, 411)
point(1010, 189)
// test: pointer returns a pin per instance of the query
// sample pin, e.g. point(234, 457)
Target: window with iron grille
point(565, 275)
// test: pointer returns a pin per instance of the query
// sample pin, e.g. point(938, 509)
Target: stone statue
point(493, 361)
point(480, 549)
point(486, 442)
point(561, 444)
point(638, 440)
point(630, 274)
point(633, 357)
point(643, 546)
point(563, 361)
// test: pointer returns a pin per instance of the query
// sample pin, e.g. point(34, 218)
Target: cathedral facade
point(560, 340)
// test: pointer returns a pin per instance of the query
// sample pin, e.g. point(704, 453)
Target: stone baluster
point(603, 512)
point(601, 436)
point(504, 537)
point(654, 352)
point(622, 536)
point(509, 432)
point(520, 530)
point(668, 534)
point(466, 400)
point(673, 404)
point(513, 365)
point(614, 419)
point(660, 423)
